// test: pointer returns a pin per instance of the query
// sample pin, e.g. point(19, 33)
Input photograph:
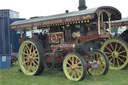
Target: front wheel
point(30, 57)
point(102, 64)
point(74, 67)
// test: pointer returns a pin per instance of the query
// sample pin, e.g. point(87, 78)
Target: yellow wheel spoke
point(29, 67)
point(108, 53)
point(111, 46)
point(25, 62)
point(123, 56)
point(78, 63)
point(69, 71)
point(75, 75)
point(31, 47)
point(35, 57)
point(34, 52)
point(110, 59)
point(69, 64)
point(72, 74)
point(34, 63)
point(122, 51)
point(109, 49)
point(113, 61)
point(79, 71)
point(28, 48)
point(109, 56)
point(25, 53)
point(121, 60)
point(115, 46)
point(118, 63)
point(72, 60)
point(119, 48)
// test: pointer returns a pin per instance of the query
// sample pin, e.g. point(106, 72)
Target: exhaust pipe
point(82, 5)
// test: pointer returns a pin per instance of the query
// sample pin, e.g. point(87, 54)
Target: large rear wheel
point(74, 67)
point(31, 57)
point(117, 53)
point(102, 64)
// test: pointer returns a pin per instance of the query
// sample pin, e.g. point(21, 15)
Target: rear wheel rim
point(117, 53)
point(101, 64)
point(29, 58)
point(73, 67)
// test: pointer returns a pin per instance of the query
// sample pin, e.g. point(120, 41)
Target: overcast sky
point(30, 8)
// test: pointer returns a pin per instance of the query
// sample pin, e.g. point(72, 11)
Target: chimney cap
point(66, 11)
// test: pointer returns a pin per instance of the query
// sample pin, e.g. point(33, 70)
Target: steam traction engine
point(70, 40)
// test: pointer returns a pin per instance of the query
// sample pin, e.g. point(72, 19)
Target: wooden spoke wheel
point(30, 57)
point(74, 67)
point(117, 53)
point(102, 64)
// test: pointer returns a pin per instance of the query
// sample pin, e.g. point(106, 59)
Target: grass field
point(13, 77)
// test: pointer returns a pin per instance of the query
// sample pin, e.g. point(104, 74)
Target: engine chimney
point(82, 5)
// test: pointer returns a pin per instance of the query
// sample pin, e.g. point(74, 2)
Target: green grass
point(13, 77)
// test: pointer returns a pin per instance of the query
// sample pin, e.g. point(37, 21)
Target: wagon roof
point(122, 22)
point(74, 16)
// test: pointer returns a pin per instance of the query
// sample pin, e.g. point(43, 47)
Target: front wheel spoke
point(28, 48)
point(31, 47)
point(75, 75)
point(69, 71)
point(29, 67)
point(34, 63)
point(78, 63)
point(101, 65)
point(69, 64)
point(79, 67)
point(33, 68)
point(72, 74)
point(79, 71)
point(34, 52)
point(25, 62)
point(35, 58)
point(72, 60)
point(34, 55)
point(25, 54)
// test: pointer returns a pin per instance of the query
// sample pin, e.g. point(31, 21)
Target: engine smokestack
point(82, 5)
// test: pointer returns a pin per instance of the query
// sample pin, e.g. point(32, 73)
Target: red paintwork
point(84, 39)
point(58, 59)
point(54, 37)
point(20, 41)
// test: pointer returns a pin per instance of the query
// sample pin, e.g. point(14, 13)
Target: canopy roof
point(66, 18)
point(122, 22)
